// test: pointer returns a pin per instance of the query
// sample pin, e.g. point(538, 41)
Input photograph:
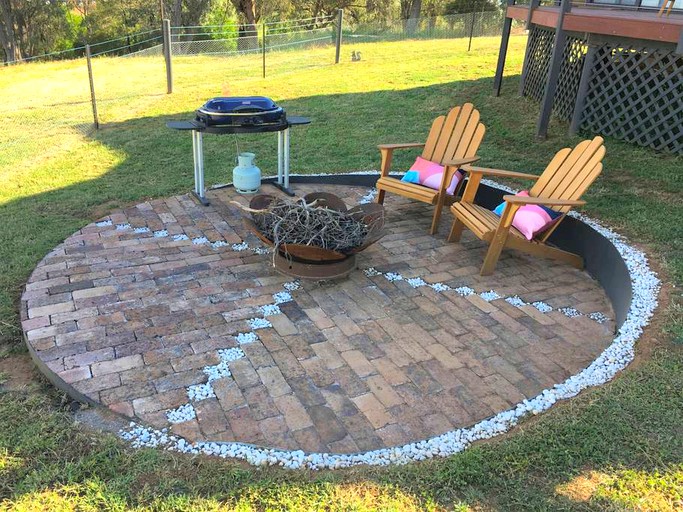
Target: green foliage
point(37, 26)
point(465, 6)
point(220, 13)
point(113, 19)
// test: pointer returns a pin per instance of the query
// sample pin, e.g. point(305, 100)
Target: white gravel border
point(645, 288)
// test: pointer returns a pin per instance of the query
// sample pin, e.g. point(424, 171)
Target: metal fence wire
point(233, 39)
point(129, 73)
point(468, 25)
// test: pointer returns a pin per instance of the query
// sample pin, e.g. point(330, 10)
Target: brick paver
point(132, 319)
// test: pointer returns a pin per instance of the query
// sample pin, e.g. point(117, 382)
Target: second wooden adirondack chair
point(453, 141)
point(565, 179)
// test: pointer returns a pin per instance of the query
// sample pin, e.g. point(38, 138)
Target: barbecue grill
point(247, 111)
point(230, 115)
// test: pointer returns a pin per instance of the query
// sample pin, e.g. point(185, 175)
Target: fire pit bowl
point(314, 237)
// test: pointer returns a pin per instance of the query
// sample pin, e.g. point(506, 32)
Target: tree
point(116, 23)
point(410, 11)
point(378, 12)
point(465, 6)
point(29, 27)
point(7, 36)
point(187, 13)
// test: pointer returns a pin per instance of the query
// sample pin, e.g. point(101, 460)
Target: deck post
point(583, 89)
point(533, 5)
point(502, 53)
point(553, 72)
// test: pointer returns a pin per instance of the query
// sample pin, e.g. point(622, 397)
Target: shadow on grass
point(633, 423)
point(141, 158)
point(631, 426)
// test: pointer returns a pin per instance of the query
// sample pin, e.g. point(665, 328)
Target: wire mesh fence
point(235, 40)
point(125, 85)
point(129, 73)
point(45, 109)
point(472, 24)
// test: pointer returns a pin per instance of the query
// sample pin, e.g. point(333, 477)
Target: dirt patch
point(582, 488)
point(17, 372)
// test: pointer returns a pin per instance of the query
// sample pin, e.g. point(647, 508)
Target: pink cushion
point(530, 219)
point(431, 174)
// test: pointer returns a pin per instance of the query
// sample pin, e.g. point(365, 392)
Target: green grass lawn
point(619, 447)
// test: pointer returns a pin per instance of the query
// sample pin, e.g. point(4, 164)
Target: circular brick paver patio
point(171, 313)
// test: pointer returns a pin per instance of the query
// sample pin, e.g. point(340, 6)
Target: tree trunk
point(177, 15)
point(414, 15)
point(246, 9)
point(7, 35)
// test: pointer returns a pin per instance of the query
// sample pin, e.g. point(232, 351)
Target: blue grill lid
point(239, 104)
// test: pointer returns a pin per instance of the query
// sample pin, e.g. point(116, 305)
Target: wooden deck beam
point(635, 25)
point(553, 72)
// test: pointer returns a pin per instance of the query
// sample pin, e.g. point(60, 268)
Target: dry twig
point(296, 222)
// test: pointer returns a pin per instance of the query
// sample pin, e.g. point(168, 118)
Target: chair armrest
point(499, 172)
point(402, 146)
point(545, 201)
point(457, 162)
point(387, 152)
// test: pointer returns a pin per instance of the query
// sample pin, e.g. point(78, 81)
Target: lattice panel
point(541, 48)
point(573, 57)
point(538, 60)
point(636, 94)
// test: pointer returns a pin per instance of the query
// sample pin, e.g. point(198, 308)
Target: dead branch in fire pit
point(296, 222)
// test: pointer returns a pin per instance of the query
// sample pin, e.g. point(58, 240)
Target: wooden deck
point(605, 21)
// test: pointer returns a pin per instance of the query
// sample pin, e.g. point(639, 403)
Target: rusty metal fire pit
point(311, 261)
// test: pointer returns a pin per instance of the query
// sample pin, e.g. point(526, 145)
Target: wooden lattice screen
point(573, 57)
point(538, 60)
point(636, 94)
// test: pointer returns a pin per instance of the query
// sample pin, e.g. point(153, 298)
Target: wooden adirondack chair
point(453, 141)
point(567, 177)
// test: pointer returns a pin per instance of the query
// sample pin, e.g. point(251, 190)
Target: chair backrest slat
point(456, 135)
point(448, 131)
point(459, 127)
point(463, 146)
point(433, 137)
point(571, 172)
point(474, 143)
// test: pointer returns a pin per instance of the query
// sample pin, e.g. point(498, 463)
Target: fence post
point(338, 42)
point(92, 88)
point(469, 44)
point(263, 36)
point(167, 55)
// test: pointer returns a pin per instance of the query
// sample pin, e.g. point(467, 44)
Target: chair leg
point(380, 196)
point(456, 230)
point(437, 216)
point(492, 255)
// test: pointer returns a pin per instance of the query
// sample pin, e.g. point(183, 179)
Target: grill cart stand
point(198, 130)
